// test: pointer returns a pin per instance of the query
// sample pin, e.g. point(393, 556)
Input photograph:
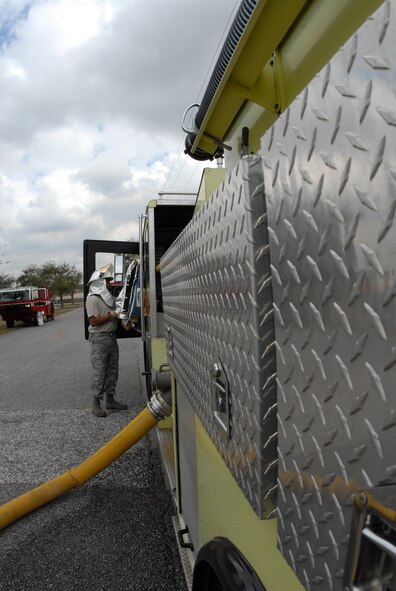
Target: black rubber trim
point(238, 26)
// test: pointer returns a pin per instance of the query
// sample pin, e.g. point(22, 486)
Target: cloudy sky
point(91, 98)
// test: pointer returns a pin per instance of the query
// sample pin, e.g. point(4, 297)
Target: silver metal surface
point(160, 404)
point(187, 463)
point(160, 325)
point(217, 297)
point(330, 180)
point(185, 555)
point(166, 443)
point(161, 379)
point(380, 541)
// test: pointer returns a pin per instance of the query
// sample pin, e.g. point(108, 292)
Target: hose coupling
point(161, 379)
point(160, 404)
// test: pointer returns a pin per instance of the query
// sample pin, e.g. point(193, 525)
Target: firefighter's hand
point(113, 314)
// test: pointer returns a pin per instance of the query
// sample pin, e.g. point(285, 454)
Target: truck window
point(41, 294)
point(15, 294)
point(35, 294)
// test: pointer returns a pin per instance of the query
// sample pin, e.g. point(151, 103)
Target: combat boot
point(96, 409)
point(112, 404)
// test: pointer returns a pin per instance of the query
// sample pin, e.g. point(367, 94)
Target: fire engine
point(268, 306)
point(27, 304)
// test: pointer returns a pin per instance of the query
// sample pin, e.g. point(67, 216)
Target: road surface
point(114, 533)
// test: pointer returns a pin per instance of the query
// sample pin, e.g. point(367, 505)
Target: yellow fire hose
point(156, 409)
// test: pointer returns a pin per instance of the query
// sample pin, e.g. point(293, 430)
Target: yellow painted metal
point(374, 505)
point(281, 50)
point(158, 352)
point(224, 511)
point(264, 92)
point(314, 39)
point(266, 29)
point(113, 449)
point(210, 180)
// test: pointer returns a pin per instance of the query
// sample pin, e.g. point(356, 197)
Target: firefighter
point(102, 317)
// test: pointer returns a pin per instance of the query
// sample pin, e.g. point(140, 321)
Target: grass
point(58, 312)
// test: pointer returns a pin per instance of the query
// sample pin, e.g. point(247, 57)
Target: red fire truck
point(28, 304)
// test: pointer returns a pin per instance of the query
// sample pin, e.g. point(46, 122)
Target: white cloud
point(91, 97)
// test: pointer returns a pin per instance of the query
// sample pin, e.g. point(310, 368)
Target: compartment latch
point(221, 397)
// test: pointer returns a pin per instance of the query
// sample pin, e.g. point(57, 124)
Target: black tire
point(10, 323)
point(221, 567)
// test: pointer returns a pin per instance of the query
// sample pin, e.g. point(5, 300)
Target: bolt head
point(363, 499)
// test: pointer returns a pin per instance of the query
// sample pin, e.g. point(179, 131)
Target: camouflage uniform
point(104, 350)
point(104, 360)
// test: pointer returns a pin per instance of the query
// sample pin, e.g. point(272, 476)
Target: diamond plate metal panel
point(330, 178)
point(218, 306)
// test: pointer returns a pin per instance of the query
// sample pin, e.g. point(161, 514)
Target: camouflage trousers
point(104, 360)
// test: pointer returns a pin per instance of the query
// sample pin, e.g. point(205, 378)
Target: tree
point(6, 280)
point(61, 279)
point(31, 275)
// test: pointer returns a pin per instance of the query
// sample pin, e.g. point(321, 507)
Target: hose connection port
point(160, 404)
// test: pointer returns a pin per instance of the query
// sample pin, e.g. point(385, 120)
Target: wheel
point(221, 567)
point(10, 323)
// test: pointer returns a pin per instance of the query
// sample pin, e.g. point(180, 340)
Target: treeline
point(62, 279)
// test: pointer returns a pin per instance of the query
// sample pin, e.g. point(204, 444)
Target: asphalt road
point(114, 533)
